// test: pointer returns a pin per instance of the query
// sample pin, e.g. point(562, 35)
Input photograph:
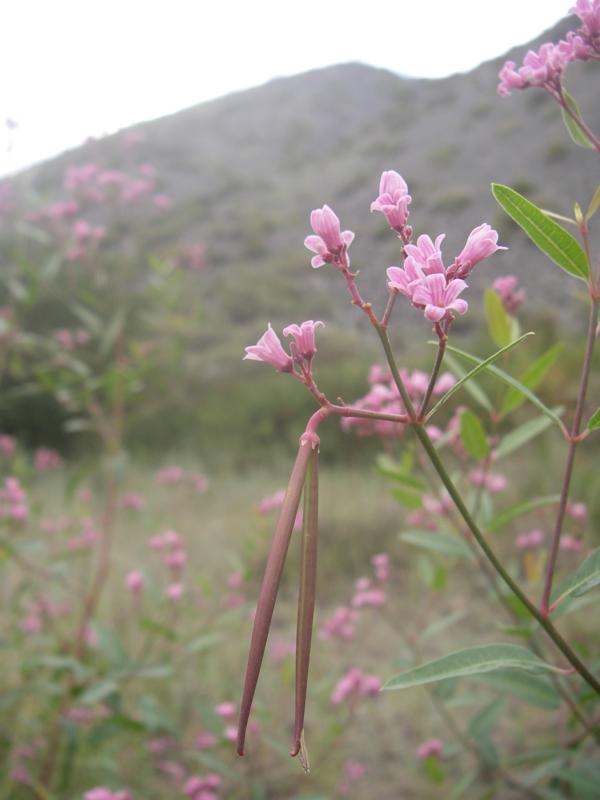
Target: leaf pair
point(304, 474)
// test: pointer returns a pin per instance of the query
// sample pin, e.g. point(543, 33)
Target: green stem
point(429, 448)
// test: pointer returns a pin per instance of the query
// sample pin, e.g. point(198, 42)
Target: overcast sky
point(70, 69)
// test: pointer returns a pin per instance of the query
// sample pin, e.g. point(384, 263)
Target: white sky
point(70, 69)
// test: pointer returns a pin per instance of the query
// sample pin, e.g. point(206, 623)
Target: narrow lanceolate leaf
point(498, 321)
point(466, 377)
point(506, 516)
point(523, 434)
point(586, 577)
point(533, 689)
point(506, 378)
point(554, 241)
point(438, 543)
point(270, 586)
point(470, 661)
point(306, 598)
point(473, 435)
point(594, 205)
point(577, 135)
point(531, 378)
point(594, 420)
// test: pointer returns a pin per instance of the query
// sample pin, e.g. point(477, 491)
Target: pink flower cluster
point(98, 185)
point(70, 340)
point(492, 481)
point(366, 594)
point(101, 793)
point(340, 625)
point(46, 459)
point(432, 287)
point(174, 558)
point(8, 445)
point(430, 748)
point(173, 475)
point(531, 540)
point(506, 287)
point(545, 68)
point(13, 501)
point(202, 787)
point(274, 501)
point(383, 397)
point(354, 685)
point(302, 348)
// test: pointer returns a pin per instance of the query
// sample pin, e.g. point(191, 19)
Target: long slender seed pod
point(270, 585)
point(306, 595)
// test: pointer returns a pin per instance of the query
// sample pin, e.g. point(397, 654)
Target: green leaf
point(594, 421)
point(468, 376)
point(470, 661)
point(98, 691)
point(504, 376)
point(533, 689)
point(433, 769)
point(473, 435)
point(554, 241)
point(531, 378)
point(204, 642)
point(480, 728)
point(594, 205)
point(506, 516)
point(586, 577)
point(473, 388)
point(392, 469)
point(523, 434)
point(498, 321)
point(438, 543)
point(439, 625)
point(577, 135)
point(407, 497)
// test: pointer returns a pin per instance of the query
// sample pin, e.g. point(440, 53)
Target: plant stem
point(585, 129)
point(427, 444)
point(573, 442)
point(442, 340)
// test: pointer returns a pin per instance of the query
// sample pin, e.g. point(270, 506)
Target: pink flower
point(578, 511)
point(432, 747)
point(354, 684)
point(352, 771)
point(199, 481)
point(46, 459)
point(169, 476)
point(281, 649)
point(570, 544)
point(174, 592)
point(588, 12)
point(328, 242)
point(175, 560)
point(393, 200)
point(133, 500)
point(225, 710)
point(531, 540)
point(134, 581)
point(205, 740)
point(440, 298)
point(269, 349)
point(381, 565)
point(303, 347)
point(493, 482)
point(271, 502)
point(8, 445)
point(369, 597)
point(511, 299)
point(162, 201)
point(340, 625)
point(481, 243)
point(405, 280)
point(426, 255)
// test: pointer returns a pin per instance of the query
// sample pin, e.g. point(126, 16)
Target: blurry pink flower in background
point(354, 684)
point(162, 201)
point(352, 771)
point(393, 200)
point(173, 770)
point(578, 511)
point(369, 597)
point(198, 481)
point(270, 350)
point(175, 592)
point(133, 500)
point(570, 544)
point(46, 459)
point(226, 710)
point(159, 745)
point(280, 649)
point(169, 476)
point(271, 502)
point(205, 740)
point(511, 297)
point(8, 445)
point(202, 787)
point(134, 581)
point(531, 540)
point(381, 566)
point(341, 624)
point(175, 561)
point(31, 623)
point(429, 748)
point(101, 793)
point(492, 481)
point(13, 501)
